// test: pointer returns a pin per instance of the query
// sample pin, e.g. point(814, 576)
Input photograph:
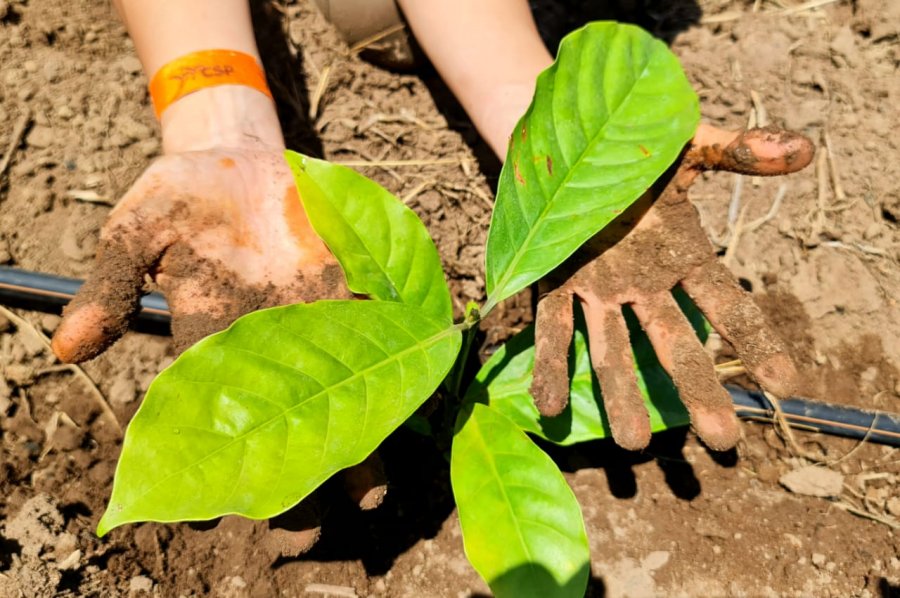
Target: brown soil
point(674, 519)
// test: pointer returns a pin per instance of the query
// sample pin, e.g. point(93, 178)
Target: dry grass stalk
point(812, 4)
point(832, 164)
point(15, 139)
point(315, 99)
point(27, 327)
point(374, 39)
point(396, 163)
point(773, 209)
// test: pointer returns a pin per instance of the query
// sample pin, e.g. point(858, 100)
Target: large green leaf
point(382, 246)
point(608, 118)
point(251, 420)
point(522, 527)
point(503, 383)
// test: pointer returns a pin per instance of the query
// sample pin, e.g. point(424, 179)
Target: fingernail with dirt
point(769, 151)
point(718, 429)
point(82, 334)
point(778, 375)
point(631, 431)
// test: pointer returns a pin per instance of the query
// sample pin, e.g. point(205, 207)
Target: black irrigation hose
point(805, 414)
point(46, 292)
point(49, 293)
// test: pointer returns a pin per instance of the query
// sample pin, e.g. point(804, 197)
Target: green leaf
point(383, 247)
point(522, 527)
point(249, 421)
point(608, 118)
point(503, 383)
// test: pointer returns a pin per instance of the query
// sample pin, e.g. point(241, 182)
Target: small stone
point(51, 71)
point(893, 506)
point(831, 566)
point(71, 562)
point(813, 481)
point(90, 36)
point(41, 137)
point(129, 64)
point(19, 375)
point(123, 389)
point(844, 44)
point(140, 583)
point(30, 66)
point(31, 343)
point(50, 322)
point(658, 558)
point(818, 559)
point(65, 112)
point(149, 148)
point(132, 129)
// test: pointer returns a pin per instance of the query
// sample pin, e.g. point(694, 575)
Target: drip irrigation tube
point(45, 292)
point(806, 414)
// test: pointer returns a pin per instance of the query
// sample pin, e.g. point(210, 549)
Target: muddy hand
point(223, 233)
point(656, 245)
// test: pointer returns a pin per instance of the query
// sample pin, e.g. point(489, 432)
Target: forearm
point(226, 115)
point(489, 53)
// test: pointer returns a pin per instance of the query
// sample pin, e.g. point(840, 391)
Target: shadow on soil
point(666, 450)
point(417, 504)
point(420, 500)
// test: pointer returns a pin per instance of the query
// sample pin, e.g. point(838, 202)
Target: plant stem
point(456, 381)
point(468, 327)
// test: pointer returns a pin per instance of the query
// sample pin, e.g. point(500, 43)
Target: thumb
point(765, 151)
point(101, 310)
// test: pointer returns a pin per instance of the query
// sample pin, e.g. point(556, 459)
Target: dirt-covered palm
point(655, 246)
point(221, 231)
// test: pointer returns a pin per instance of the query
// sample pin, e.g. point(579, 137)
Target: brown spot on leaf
point(550, 165)
point(524, 133)
point(519, 176)
point(644, 150)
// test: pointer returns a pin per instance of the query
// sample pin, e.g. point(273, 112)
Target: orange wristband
point(207, 68)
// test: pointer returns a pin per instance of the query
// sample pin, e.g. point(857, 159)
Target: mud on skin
point(637, 260)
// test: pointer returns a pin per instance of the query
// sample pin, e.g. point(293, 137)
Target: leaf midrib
point(427, 343)
point(532, 230)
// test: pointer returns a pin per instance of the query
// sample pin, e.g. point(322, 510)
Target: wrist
point(232, 116)
point(496, 115)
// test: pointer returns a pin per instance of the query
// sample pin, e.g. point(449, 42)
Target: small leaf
point(522, 527)
point(382, 246)
point(503, 383)
point(251, 420)
point(608, 118)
